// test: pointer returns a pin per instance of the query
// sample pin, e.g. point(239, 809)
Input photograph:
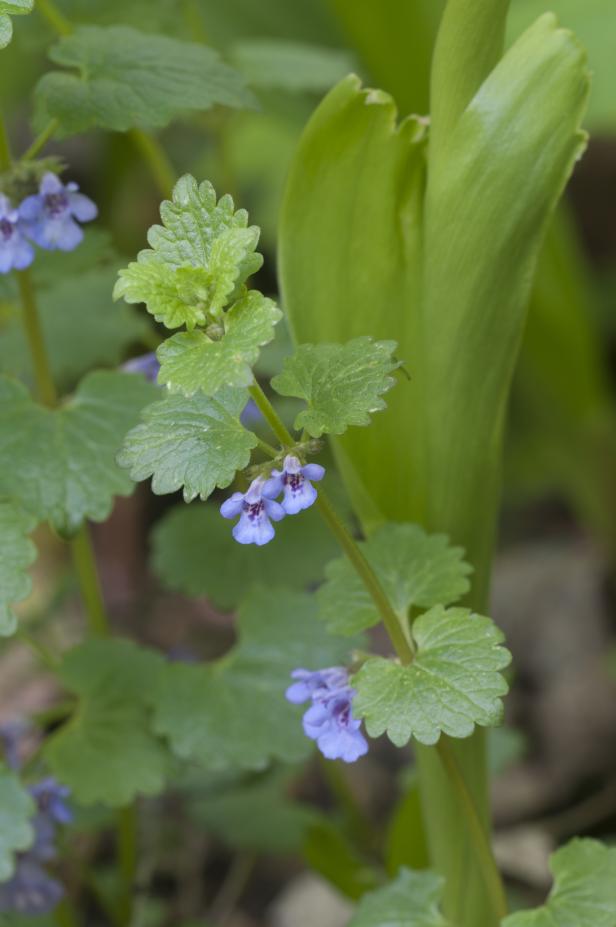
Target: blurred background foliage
point(560, 465)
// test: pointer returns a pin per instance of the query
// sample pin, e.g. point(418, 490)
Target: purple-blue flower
point(50, 214)
point(51, 797)
point(15, 252)
point(294, 482)
point(255, 508)
point(147, 364)
point(329, 720)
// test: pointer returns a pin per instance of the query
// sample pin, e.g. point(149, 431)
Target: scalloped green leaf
point(10, 8)
point(107, 752)
point(416, 569)
point(194, 552)
point(584, 890)
point(16, 553)
point(16, 810)
point(194, 444)
point(412, 899)
point(341, 383)
point(453, 683)
point(60, 463)
point(119, 78)
point(191, 361)
point(232, 714)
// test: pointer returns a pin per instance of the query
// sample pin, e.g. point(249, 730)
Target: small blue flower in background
point(147, 364)
point(255, 508)
point(15, 252)
point(11, 736)
point(250, 414)
point(50, 214)
point(30, 890)
point(329, 720)
point(51, 797)
point(294, 482)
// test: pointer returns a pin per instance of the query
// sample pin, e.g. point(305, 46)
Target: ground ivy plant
point(267, 521)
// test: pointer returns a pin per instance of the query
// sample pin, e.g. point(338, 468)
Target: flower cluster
point(31, 890)
point(329, 720)
point(46, 218)
point(257, 507)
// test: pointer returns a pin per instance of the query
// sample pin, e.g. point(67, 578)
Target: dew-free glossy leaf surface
point(117, 78)
point(192, 444)
point(411, 900)
point(107, 752)
point(16, 553)
point(584, 890)
point(60, 464)
point(342, 384)
point(191, 361)
point(194, 552)
point(415, 569)
point(16, 810)
point(232, 713)
point(453, 683)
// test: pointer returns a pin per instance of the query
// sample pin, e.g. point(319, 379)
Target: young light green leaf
point(10, 8)
point(81, 326)
point(16, 810)
point(411, 900)
point(196, 443)
point(119, 78)
point(191, 361)
point(453, 683)
point(106, 752)
point(232, 714)
point(341, 383)
point(194, 552)
point(290, 66)
point(16, 553)
point(198, 261)
point(584, 890)
point(60, 463)
point(415, 569)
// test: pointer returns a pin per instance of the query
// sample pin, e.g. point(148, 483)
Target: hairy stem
point(41, 140)
point(400, 637)
point(157, 160)
point(42, 370)
point(54, 17)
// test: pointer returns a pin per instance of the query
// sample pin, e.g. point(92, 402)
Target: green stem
point(42, 653)
point(232, 887)
point(400, 637)
point(156, 158)
point(127, 859)
point(64, 915)
point(5, 151)
point(42, 371)
point(89, 583)
point(54, 17)
point(41, 140)
point(481, 841)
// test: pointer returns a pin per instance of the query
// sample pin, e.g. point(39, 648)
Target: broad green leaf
point(453, 683)
point(328, 851)
point(411, 900)
point(257, 815)
point(405, 840)
point(415, 569)
point(81, 326)
point(10, 8)
point(584, 890)
point(16, 810)
point(119, 78)
point(191, 361)
point(290, 66)
point(60, 463)
point(196, 444)
point(16, 553)
point(194, 552)
point(341, 383)
point(232, 713)
point(106, 752)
